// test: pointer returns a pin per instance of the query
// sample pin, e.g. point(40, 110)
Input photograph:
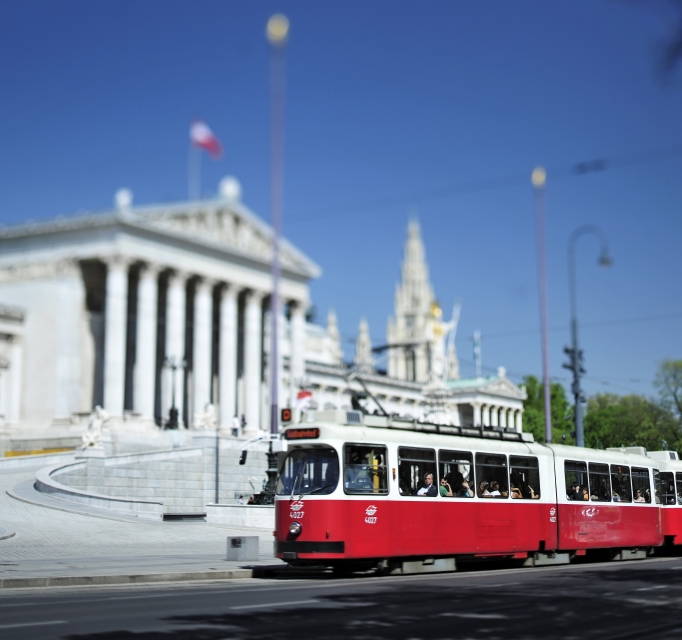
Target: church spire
point(364, 359)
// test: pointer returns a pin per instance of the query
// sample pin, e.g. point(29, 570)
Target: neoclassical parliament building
point(144, 307)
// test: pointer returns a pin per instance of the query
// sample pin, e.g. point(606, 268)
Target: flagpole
point(193, 172)
point(277, 30)
point(538, 179)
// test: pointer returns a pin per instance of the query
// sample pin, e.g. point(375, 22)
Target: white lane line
point(31, 624)
point(275, 604)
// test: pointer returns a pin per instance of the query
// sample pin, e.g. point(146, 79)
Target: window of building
point(524, 477)
point(414, 465)
point(365, 469)
point(456, 474)
point(600, 485)
point(668, 493)
point(679, 487)
point(575, 474)
point(492, 476)
point(621, 489)
point(641, 489)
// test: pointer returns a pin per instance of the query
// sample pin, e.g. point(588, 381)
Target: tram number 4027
point(370, 517)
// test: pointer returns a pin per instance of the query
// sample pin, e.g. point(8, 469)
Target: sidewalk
point(56, 547)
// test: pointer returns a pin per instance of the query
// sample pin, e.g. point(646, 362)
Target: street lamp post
point(173, 364)
point(574, 352)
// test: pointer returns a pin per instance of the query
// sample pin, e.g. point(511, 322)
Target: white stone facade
point(105, 301)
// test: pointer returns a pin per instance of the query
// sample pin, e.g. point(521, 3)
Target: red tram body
point(353, 490)
point(671, 494)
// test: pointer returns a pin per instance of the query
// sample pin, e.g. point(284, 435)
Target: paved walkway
point(49, 542)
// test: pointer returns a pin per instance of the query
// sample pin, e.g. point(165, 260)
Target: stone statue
point(96, 423)
point(206, 419)
point(436, 334)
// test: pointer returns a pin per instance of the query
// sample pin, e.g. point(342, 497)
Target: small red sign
point(286, 415)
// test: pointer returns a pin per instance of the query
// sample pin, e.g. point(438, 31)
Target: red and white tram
point(356, 491)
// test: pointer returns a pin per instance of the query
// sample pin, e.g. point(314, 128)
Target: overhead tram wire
point(576, 169)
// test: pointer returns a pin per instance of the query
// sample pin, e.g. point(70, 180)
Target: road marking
point(476, 616)
point(31, 624)
point(658, 586)
point(275, 604)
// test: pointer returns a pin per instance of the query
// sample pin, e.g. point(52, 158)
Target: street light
point(173, 363)
point(574, 352)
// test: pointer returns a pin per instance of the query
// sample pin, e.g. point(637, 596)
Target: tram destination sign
point(301, 434)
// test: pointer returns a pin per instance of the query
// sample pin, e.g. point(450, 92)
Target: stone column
point(503, 417)
point(203, 325)
point(252, 360)
point(227, 361)
point(486, 415)
point(493, 416)
point(145, 357)
point(297, 350)
point(115, 335)
point(175, 338)
point(519, 424)
point(15, 374)
point(477, 413)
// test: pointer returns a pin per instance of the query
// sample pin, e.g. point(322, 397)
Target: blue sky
point(393, 109)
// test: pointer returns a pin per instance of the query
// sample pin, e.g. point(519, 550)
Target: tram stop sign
point(286, 415)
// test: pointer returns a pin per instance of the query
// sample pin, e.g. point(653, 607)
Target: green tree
point(534, 411)
point(616, 421)
point(668, 381)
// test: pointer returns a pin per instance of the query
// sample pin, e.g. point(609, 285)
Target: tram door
point(367, 518)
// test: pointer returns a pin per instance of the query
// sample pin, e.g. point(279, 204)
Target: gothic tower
point(413, 300)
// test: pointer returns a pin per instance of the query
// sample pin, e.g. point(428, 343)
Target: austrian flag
point(203, 138)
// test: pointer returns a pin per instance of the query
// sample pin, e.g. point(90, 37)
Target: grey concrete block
point(242, 548)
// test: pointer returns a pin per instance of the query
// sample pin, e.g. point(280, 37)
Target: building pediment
point(225, 226)
point(505, 387)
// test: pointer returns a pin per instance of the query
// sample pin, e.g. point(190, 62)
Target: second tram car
point(359, 490)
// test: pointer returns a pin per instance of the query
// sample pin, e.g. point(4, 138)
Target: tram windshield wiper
point(299, 475)
point(315, 490)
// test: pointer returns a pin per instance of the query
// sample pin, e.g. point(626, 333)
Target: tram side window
point(668, 493)
point(600, 485)
point(641, 488)
point(679, 487)
point(575, 474)
point(414, 465)
point(492, 476)
point(364, 469)
point(456, 474)
point(524, 477)
point(657, 485)
point(621, 490)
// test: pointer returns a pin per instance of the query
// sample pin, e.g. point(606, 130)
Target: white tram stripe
point(274, 604)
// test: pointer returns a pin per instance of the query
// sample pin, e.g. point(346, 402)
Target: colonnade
point(493, 415)
point(150, 350)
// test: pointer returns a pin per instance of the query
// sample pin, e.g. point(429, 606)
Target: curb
point(76, 581)
point(6, 533)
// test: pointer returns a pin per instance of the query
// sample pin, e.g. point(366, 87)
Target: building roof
point(227, 226)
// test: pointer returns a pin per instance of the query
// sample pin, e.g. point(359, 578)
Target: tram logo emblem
point(370, 517)
point(552, 514)
point(296, 507)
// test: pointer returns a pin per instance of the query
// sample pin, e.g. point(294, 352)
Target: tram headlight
point(295, 528)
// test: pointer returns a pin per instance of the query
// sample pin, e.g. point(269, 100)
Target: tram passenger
point(639, 497)
point(445, 488)
point(516, 493)
point(533, 495)
point(466, 491)
point(483, 490)
point(428, 489)
point(585, 493)
point(576, 493)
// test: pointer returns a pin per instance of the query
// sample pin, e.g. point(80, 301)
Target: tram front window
point(364, 469)
point(309, 472)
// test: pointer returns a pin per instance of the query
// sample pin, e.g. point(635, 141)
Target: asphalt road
point(619, 600)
